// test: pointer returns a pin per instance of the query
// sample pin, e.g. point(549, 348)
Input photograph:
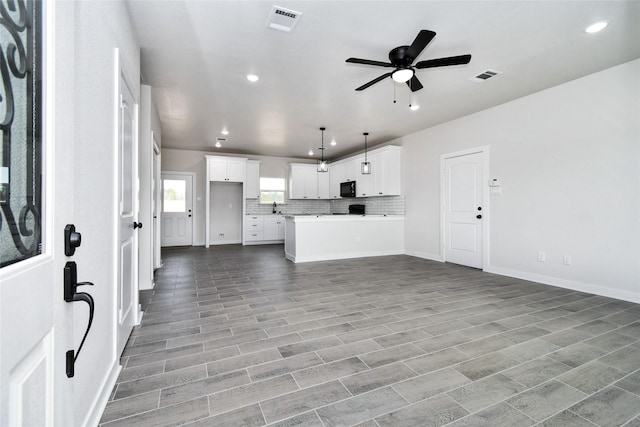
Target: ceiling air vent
point(221, 140)
point(485, 75)
point(282, 19)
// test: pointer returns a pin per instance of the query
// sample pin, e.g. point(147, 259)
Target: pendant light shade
point(365, 167)
point(323, 165)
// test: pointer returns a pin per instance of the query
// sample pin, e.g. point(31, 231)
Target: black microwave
point(348, 189)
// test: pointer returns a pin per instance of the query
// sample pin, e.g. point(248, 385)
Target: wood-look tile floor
point(239, 336)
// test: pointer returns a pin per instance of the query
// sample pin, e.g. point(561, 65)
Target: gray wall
point(568, 161)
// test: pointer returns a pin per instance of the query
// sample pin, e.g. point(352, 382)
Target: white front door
point(128, 310)
point(463, 209)
point(36, 324)
point(177, 210)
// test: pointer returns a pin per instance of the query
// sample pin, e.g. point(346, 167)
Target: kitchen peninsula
point(328, 237)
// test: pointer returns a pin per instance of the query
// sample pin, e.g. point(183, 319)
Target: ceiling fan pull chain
point(394, 93)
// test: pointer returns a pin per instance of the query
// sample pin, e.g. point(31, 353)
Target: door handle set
point(72, 240)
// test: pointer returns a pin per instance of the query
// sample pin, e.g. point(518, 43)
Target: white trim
point(94, 414)
point(484, 151)
point(116, 204)
point(342, 256)
point(425, 255)
point(566, 284)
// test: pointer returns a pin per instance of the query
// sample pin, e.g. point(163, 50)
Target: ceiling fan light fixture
point(402, 75)
point(596, 27)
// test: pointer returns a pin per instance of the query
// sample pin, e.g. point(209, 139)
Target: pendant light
point(365, 167)
point(323, 166)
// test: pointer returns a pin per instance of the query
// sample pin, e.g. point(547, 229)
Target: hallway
point(239, 336)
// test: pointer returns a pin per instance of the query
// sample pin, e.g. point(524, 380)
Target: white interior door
point(36, 324)
point(463, 209)
point(177, 209)
point(156, 199)
point(128, 309)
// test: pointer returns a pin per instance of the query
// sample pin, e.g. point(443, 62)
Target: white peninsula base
point(327, 237)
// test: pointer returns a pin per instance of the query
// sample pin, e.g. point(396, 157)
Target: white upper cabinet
point(253, 180)
point(336, 176)
point(386, 171)
point(385, 178)
point(226, 169)
point(365, 185)
point(324, 182)
point(303, 181)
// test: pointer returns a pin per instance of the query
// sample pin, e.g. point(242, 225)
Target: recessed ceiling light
point(218, 145)
point(333, 142)
point(224, 132)
point(311, 152)
point(414, 107)
point(252, 78)
point(596, 27)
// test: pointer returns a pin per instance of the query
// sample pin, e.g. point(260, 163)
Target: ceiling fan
point(403, 56)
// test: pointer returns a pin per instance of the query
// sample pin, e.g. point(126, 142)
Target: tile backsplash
point(389, 205)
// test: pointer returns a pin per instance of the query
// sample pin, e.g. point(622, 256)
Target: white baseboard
point(567, 284)
point(225, 242)
point(425, 255)
point(101, 399)
point(146, 285)
point(350, 255)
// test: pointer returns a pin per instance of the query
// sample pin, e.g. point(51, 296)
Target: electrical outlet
point(221, 235)
point(542, 256)
point(566, 259)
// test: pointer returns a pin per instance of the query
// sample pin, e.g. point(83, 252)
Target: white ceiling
point(196, 55)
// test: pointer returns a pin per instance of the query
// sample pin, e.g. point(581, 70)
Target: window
point(20, 127)
point(271, 190)
point(174, 195)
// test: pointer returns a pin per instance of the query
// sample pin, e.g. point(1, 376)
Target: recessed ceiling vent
point(282, 19)
point(485, 75)
point(221, 139)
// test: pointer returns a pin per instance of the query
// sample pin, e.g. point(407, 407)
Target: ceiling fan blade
point(414, 84)
point(374, 81)
point(422, 40)
point(369, 62)
point(443, 62)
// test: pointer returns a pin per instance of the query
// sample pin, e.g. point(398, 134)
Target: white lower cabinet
point(263, 229)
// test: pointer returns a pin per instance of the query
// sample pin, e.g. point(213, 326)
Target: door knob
point(72, 239)
point(479, 216)
point(137, 225)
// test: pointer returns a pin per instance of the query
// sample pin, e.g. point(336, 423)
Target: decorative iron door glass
point(20, 125)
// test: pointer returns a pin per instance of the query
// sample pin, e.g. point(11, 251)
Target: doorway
point(464, 207)
point(177, 209)
point(156, 202)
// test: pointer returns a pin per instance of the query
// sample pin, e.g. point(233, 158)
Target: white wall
point(226, 213)
point(569, 162)
point(99, 28)
point(193, 161)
